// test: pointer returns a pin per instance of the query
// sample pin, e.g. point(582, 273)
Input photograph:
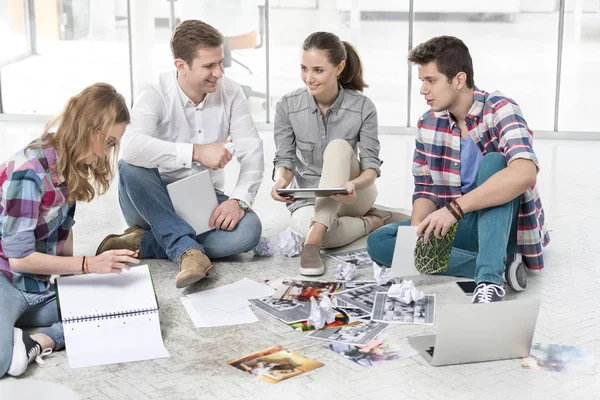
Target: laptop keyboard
point(430, 350)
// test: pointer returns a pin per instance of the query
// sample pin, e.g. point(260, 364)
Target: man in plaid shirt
point(473, 165)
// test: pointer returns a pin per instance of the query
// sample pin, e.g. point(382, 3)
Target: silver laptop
point(468, 333)
point(194, 200)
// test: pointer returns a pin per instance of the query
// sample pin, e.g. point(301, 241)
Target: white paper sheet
point(232, 297)
point(114, 340)
point(403, 261)
point(205, 317)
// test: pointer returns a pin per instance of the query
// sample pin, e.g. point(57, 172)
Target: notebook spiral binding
point(103, 316)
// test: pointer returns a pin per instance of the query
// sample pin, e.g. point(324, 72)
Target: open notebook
point(110, 318)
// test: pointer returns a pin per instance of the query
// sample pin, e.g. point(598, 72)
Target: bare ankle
point(44, 340)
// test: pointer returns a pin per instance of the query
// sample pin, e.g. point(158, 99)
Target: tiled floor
point(568, 288)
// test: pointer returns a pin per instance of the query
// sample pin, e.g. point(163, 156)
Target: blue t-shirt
point(470, 157)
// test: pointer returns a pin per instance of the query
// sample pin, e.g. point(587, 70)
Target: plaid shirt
point(34, 213)
point(495, 124)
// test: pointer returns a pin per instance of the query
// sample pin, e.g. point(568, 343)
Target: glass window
point(513, 45)
point(580, 65)
point(243, 24)
point(377, 29)
point(77, 43)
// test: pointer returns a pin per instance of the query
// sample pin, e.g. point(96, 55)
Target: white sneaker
point(25, 350)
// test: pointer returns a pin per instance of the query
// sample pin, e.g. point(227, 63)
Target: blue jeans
point(145, 202)
point(22, 309)
point(483, 238)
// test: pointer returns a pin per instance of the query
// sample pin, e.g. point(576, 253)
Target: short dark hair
point(338, 51)
point(191, 35)
point(451, 55)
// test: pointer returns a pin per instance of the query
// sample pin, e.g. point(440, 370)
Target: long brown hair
point(338, 51)
point(96, 109)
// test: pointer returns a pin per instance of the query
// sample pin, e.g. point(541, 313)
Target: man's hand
point(226, 215)
point(437, 222)
point(346, 198)
point(280, 184)
point(213, 156)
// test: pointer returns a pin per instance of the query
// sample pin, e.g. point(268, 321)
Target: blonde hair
point(96, 109)
point(191, 35)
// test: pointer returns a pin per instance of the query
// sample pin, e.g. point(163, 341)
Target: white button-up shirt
point(165, 124)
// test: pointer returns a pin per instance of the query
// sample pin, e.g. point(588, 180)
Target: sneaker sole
point(312, 271)
point(18, 354)
point(513, 282)
point(191, 279)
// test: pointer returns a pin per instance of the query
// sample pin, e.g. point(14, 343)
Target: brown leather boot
point(193, 266)
point(129, 240)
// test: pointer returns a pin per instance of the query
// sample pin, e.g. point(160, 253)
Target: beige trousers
point(343, 221)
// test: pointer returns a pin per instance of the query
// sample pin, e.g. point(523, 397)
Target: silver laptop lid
point(484, 332)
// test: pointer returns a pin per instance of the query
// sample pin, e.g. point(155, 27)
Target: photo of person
point(358, 257)
point(390, 310)
point(288, 311)
point(361, 297)
point(355, 313)
point(559, 358)
point(359, 334)
point(275, 364)
point(304, 290)
point(391, 349)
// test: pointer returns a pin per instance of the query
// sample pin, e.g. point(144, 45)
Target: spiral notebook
point(110, 318)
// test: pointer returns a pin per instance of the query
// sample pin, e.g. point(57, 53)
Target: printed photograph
point(559, 358)
point(389, 310)
point(360, 334)
point(342, 318)
point(391, 349)
point(288, 311)
point(358, 257)
point(275, 364)
point(355, 313)
point(304, 290)
point(361, 297)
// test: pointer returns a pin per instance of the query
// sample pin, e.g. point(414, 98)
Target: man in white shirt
point(178, 128)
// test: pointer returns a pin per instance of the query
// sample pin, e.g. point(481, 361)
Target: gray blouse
point(302, 134)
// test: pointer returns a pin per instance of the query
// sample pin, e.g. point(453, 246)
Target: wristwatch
point(243, 205)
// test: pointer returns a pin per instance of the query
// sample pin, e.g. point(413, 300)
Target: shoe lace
point(36, 353)
point(484, 293)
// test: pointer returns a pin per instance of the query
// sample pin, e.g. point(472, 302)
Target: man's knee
point(489, 165)
point(250, 228)
point(129, 174)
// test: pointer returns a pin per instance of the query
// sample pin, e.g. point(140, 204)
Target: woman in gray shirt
point(318, 131)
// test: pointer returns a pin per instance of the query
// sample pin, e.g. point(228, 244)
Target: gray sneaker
point(487, 293)
point(515, 273)
point(311, 263)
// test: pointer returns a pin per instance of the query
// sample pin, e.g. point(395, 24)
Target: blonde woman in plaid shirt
point(39, 186)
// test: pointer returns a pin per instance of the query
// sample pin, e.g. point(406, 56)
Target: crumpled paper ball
point(321, 314)
point(345, 272)
point(405, 292)
point(264, 248)
point(381, 275)
point(289, 242)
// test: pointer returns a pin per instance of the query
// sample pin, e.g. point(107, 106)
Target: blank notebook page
point(82, 296)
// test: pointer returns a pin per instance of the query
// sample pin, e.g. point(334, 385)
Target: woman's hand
point(112, 261)
point(346, 198)
point(280, 184)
